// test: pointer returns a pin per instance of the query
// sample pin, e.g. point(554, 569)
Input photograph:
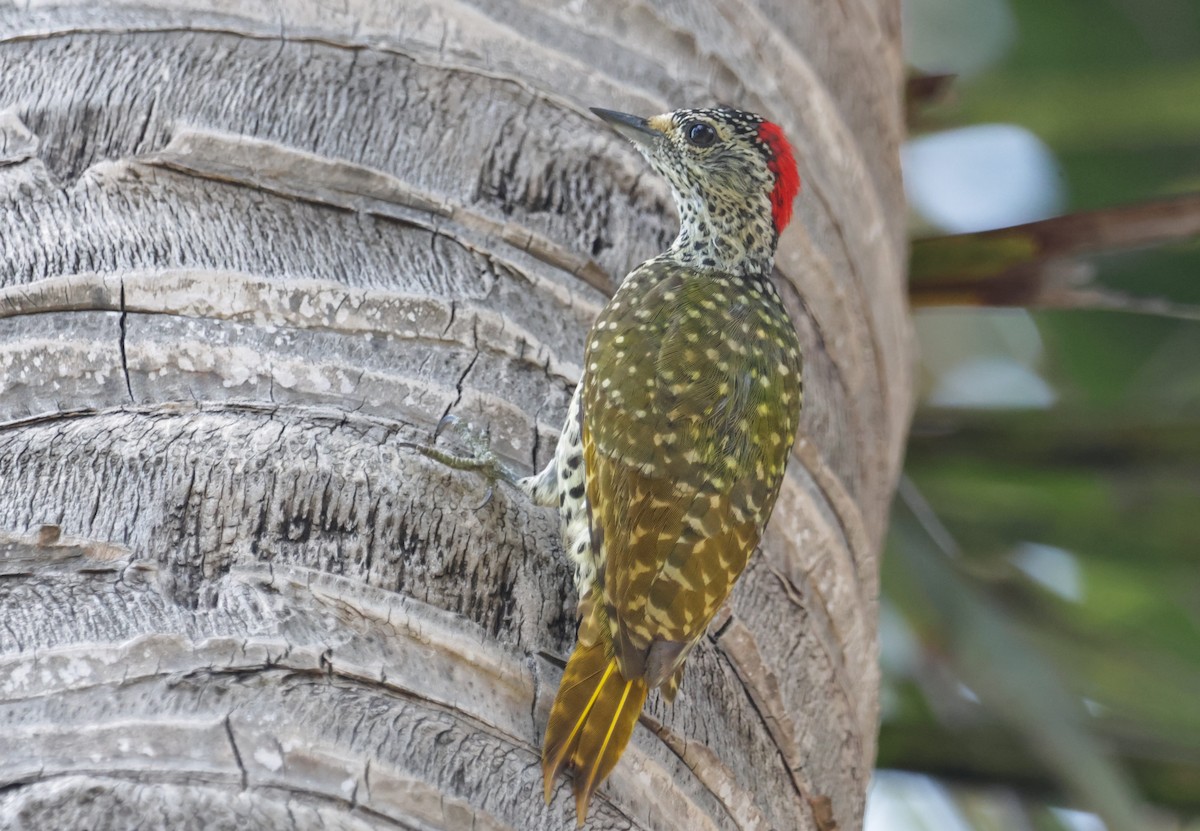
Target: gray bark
point(245, 255)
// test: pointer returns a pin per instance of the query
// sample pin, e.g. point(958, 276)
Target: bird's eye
point(700, 134)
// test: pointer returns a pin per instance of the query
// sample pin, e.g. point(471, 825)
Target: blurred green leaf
point(1112, 106)
point(1005, 671)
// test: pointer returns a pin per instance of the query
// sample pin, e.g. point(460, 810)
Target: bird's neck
point(724, 237)
point(725, 254)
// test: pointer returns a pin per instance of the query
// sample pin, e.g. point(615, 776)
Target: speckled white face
point(712, 151)
point(725, 168)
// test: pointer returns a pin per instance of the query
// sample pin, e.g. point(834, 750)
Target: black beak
point(632, 127)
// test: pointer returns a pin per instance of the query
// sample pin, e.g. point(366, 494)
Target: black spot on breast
point(577, 492)
point(574, 461)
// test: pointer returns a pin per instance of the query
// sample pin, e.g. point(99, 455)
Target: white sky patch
point(1055, 569)
point(992, 383)
point(981, 177)
point(1079, 820)
point(910, 802)
point(981, 358)
point(967, 693)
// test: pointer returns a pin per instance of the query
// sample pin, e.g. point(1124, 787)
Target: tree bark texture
point(247, 252)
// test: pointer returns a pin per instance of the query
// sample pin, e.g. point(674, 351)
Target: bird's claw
point(478, 443)
point(487, 498)
point(448, 420)
point(480, 457)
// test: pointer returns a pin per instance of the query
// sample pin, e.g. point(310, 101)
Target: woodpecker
point(677, 437)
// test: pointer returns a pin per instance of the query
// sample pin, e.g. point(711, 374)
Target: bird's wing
point(689, 413)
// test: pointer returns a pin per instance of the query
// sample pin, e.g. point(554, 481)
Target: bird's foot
point(479, 458)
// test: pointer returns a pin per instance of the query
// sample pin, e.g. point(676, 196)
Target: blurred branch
point(1060, 439)
point(1035, 265)
point(1066, 297)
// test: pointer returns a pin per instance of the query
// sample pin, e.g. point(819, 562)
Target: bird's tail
point(591, 721)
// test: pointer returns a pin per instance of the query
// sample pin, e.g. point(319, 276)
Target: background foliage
point(1041, 617)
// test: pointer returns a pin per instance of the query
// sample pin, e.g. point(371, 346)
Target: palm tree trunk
point(246, 256)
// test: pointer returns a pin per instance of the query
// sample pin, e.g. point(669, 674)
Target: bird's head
point(733, 174)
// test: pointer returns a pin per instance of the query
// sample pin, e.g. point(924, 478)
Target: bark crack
point(124, 357)
point(462, 379)
point(237, 755)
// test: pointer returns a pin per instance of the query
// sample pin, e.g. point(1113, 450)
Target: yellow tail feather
point(591, 722)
